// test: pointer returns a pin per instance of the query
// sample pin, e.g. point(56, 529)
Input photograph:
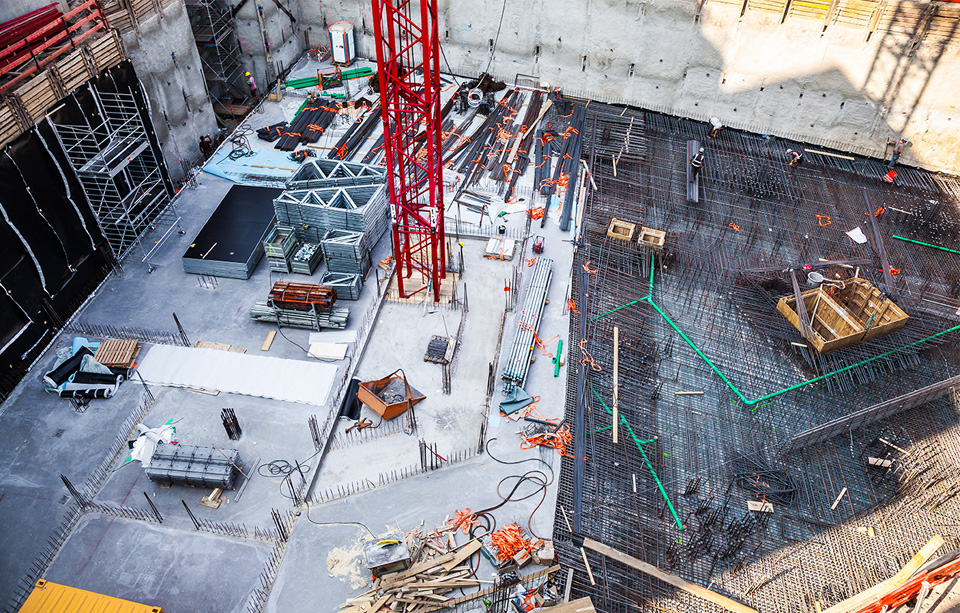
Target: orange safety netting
point(587, 358)
point(464, 520)
point(557, 440)
point(536, 339)
point(536, 213)
point(509, 541)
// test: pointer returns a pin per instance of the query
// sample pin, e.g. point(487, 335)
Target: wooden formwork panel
point(107, 51)
point(143, 9)
point(857, 13)
point(769, 6)
point(10, 124)
point(37, 95)
point(810, 9)
point(73, 70)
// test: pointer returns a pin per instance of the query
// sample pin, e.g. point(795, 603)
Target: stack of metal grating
point(348, 286)
point(334, 173)
point(516, 365)
point(312, 320)
point(278, 246)
point(205, 467)
point(306, 258)
point(346, 252)
point(301, 305)
point(313, 212)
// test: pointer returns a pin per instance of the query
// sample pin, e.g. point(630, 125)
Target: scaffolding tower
point(220, 52)
point(120, 169)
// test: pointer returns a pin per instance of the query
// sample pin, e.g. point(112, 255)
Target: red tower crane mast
point(408, 64)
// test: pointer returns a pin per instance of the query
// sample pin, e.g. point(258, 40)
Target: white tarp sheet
point(308, 382)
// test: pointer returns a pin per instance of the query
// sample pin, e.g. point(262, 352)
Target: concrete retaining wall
point(834, 87)
point(179, 104)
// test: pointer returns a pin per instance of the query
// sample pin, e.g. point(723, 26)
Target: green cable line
point(631, 303)
point(639, 443)
point(932, 246)
point(649, 299)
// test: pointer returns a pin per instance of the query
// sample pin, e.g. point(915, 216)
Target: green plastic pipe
point(556, 359)
point(619, 308)
point(932, 246)
point(639, 443)
point(755, 401)
point(632, 302)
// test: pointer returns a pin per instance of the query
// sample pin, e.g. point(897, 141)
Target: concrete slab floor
point(274, 431)
point(323, 564)
point(177, 570)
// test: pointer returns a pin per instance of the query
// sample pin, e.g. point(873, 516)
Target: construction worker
point(716, 126)
point(252, 84)
point(796, 157)
point(897, 150)
point(696, 162)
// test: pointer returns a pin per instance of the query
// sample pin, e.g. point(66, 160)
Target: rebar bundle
point(518, 362)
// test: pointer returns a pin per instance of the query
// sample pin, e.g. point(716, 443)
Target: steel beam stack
point(312, 212)
point(334, 173)
point(205, 467)
point(516, 366)
point(313, 320)
point(348, 286)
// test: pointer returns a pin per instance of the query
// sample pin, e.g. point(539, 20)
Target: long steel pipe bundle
point(515, 369)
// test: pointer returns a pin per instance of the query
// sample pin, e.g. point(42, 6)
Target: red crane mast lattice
point(408, 52)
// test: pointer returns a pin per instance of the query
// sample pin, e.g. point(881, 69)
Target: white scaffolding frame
point(120, 170)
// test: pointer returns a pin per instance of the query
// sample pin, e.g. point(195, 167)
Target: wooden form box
point(621, 230)
point(856, 313)
point(651, 238)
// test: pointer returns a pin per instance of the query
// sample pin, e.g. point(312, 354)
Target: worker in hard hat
point(897, 150)
point(796, 157)
point(715, 126)
point(252, 84)
point(696, 162)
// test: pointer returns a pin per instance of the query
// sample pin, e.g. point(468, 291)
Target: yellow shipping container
point(49, 597)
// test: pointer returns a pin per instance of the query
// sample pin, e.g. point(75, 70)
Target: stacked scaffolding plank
point(301, 305)
point(347, 285)
point(516, 366)
point(334, 173)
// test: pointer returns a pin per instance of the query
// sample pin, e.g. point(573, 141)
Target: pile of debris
point(417, 573)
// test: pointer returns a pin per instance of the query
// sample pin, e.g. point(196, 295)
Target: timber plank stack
point(308, 126)
point(302, 297)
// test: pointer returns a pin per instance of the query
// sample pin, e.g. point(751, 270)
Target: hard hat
point(701, 149)
point(247, 74)
point(789, 150)
point(903, 140)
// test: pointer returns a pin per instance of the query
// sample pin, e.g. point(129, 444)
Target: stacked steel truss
point(219, 49)
point(408, 48)
point(120, 169)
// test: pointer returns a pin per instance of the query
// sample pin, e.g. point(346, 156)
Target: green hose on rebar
point(640, 443)
point(649, 299)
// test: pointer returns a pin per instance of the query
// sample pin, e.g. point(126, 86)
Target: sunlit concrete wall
point(832, 87)
point(164, 54)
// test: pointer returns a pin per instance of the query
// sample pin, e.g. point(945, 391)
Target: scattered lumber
point(653, 571)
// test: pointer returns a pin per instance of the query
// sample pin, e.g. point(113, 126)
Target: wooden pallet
point(117, 353)
point(218, 346)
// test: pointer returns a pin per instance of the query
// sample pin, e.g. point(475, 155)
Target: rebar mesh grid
point(718, 277)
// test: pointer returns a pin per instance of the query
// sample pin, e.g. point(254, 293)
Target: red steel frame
point(408, 50)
